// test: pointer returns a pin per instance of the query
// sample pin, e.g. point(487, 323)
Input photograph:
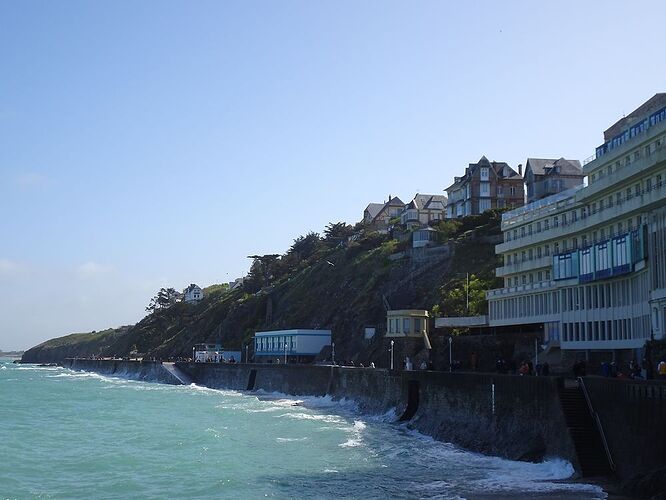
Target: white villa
point(193, 293)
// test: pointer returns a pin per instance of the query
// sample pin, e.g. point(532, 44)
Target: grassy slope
point(76, 344)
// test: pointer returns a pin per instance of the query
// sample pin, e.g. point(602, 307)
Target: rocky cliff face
point(345, 291)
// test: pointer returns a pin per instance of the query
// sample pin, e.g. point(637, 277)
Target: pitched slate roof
point(373, 209)
point(191, 288)
point(425, 201)
point(395, 202)
point(547, 166)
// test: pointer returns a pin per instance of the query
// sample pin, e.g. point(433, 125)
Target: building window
point(484, 173)
point(513, 190)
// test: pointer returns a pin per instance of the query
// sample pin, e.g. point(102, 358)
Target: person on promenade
point(524, 369)
point(661, 370)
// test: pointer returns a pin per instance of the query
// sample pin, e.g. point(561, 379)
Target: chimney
point(520, 169)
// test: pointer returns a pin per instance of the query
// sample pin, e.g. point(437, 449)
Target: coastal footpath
point(520, 418)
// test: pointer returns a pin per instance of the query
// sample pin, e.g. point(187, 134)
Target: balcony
point(623, 174)
point(540, 208)
point(524, 266)
point(409, 216)
point(540, 286)
point(621, 151)
point(646, 200)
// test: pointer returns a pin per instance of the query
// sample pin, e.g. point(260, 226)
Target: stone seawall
point(136, 370)
point(633, 416)
point(515, 417)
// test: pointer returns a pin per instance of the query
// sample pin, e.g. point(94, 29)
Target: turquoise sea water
point(71, 435)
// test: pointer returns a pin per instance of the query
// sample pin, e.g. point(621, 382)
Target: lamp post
point(333, 352)
point(193, 350)
point(247, 355)
point(392, 342)
point(467, 293)
point(285, 350)
point(450, 354)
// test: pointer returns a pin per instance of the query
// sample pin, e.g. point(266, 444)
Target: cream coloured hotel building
point(589, 264)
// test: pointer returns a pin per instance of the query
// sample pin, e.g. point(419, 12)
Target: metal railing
point(597, 421)
point(589, 159)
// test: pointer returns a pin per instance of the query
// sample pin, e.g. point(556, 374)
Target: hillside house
point(193, 294)
point(545, 177)
point(423, 209)
point(485, 185)
point(378, 215)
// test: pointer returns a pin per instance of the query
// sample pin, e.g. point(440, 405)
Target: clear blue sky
point(154, 143)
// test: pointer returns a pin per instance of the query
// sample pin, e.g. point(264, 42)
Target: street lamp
point(450, 355)
point(392, 342)
point(285, 350)
point(333, 352)
point(247, 355)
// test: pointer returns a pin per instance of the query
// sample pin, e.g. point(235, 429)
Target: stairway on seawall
point(584, 432)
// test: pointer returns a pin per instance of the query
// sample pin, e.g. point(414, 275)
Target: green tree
point(165, 297)
point(304, 247)
point(455, 299)
point(448, 229)
point(262, 272)
point(336, 233)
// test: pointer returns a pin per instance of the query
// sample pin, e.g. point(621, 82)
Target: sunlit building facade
point(589, 263)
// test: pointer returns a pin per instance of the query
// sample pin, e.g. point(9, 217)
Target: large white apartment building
point(589, 264)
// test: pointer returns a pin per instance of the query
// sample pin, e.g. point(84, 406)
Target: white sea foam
point(332, 419)
point(290, 440)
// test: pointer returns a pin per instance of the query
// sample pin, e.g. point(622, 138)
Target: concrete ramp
point(177, 373)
